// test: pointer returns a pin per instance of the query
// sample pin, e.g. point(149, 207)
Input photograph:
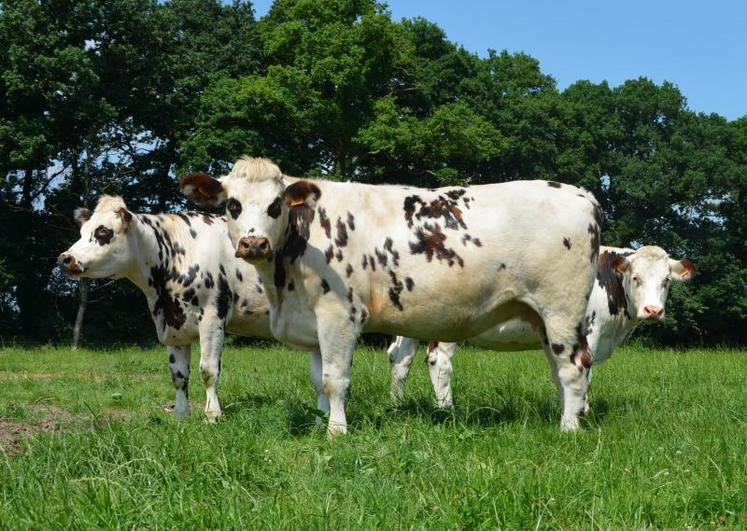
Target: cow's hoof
point(181, 415)
point(569, 424)
point(211, 417)
point(333, 430)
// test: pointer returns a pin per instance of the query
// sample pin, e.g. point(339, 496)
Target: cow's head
point(262, 208)
point(647, 275)
point(104, 248)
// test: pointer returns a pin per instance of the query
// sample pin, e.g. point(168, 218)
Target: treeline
point(121, 96)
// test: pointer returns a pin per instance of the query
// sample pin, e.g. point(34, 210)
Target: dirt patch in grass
point(47, 418)
point(6, 376)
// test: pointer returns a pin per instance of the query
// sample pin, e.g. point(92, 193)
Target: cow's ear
point(81, 215)
point(202, 189)
point(620, 264)
point(126, 217)
point(302, 193)
point(682, 269)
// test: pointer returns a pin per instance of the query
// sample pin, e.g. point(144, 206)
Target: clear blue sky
point(700, 46)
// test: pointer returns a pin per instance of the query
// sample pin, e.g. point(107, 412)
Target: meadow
point(88, 442)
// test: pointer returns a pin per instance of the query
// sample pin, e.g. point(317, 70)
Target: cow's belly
point(294, 325)
point(177, 336)
point(253, 325)
point(515, 334)
point(454, 322)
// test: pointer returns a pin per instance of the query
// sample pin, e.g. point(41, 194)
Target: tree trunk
point(83, 290)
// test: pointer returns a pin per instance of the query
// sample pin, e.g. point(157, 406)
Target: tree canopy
point(122, 96)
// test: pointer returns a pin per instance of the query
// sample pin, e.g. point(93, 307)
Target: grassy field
point(87, 443)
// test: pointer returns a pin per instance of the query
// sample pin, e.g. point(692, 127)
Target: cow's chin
point(257, 259)
point(650, 318)
point(75, 272)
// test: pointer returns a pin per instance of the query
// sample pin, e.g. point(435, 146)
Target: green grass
point(665, 446)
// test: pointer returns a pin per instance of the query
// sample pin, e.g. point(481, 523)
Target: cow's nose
point(253, 247)
point(68, 264)
point(653, 312)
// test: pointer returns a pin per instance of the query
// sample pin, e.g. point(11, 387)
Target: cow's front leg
point(322, 402)
point(211, 347)
point(401, 353)
point(439, 358)
point(179, 367)
point(337, 344)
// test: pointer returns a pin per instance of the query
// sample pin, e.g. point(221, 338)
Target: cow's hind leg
point(439, 358)
point(570, 361)
point(211, 347)
point(179, 367)
point(588, 383)
point(401, 353)
point(322, 402)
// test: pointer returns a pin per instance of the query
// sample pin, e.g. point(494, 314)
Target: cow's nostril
point(263, 245)
point(67, 260)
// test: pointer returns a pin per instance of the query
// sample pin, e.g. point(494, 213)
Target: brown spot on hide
point(325, 223)
point(430, 242)
point(342, 234)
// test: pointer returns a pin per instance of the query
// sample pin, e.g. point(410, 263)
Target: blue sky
point(700, 46)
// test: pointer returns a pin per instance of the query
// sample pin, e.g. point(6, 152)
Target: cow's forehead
point(99, 218)
point(245, 190)
point(650, 265)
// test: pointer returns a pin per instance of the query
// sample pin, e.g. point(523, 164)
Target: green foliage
point(121, 96)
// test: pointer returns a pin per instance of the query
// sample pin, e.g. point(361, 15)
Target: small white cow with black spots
point(339, 259)
point(631, 286)
point(185, 265)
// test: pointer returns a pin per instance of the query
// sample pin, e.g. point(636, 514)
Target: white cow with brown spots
point(185, 265)
point(339, 259)
point(631, 286)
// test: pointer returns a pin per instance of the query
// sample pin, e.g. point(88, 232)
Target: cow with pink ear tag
point(341, 259)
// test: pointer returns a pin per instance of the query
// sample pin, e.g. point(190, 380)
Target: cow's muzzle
point(653, 313)
point(68, 264)
point(254, 248)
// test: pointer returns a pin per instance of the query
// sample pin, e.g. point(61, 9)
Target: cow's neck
point(147, 256)
point(609, 334)
point(266, 273)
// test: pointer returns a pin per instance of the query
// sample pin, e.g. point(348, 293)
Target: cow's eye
point(274, 209)
point(233, 207)
point(103, 235)
point(637, 281)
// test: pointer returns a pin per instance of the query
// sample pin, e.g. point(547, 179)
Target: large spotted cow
point(339, 259)
point(185, 265)
point(631, 286)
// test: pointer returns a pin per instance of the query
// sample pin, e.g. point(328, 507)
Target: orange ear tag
point(296, 202)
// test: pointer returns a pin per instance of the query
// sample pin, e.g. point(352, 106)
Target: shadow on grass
point(246, 402)
point(506, 407)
